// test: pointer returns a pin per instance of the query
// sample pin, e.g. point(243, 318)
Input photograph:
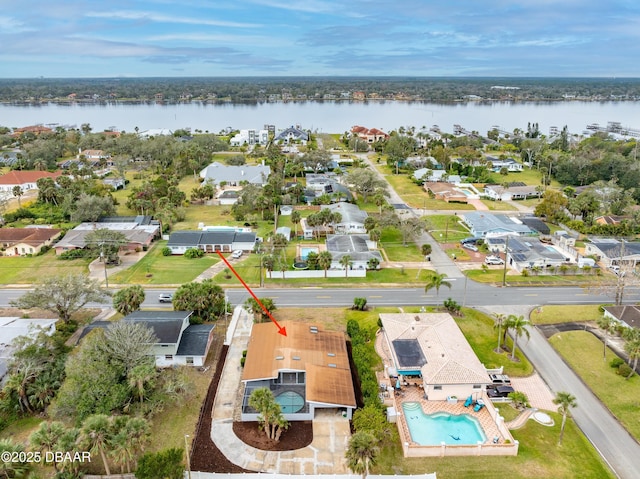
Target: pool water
point(290, 402)
point(304, 252)
point(434, 429)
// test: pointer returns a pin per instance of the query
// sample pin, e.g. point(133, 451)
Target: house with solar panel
point(428, 350)
point(308, 369)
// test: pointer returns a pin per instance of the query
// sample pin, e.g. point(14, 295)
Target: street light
point(186, 448)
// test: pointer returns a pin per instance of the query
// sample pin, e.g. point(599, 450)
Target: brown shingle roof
point(27, 235)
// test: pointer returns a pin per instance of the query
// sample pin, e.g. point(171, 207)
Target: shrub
point(166, 251)
point(193, 253)
point(359, 304)
point(165, 464)
point(616, 362)
point(624, 370)
point(242, 361)
point(451, 306)
point(76, 254)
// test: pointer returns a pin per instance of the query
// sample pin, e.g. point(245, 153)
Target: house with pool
point(307, 369)
point(438, 389)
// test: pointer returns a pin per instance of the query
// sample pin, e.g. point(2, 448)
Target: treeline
point(252, 89)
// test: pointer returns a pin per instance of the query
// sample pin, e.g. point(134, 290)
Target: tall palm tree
point(140, 376)
point(361, 453)
point(295, 219)
point(565, 402)
point(96, 434)
point(632, 347)
point(346, 262)
point(607, 324)
point(324, 261)
point(437, 281)
point(519, 326)
point(46, 437)
point(499, 320)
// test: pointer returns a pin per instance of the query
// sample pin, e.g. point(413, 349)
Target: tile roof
point(629, 314)
point(449, 357)
point(20, 177)
point(27, 235)
point(323, 355)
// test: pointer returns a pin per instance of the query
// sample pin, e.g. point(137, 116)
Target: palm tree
point(295, 219)
point(324, 261)
point(346, 263)
point(362, 451)
point(140, 376)
point(9, 469)
point(17, 192)
point(519, 326)
point(46, 437)
point(565, 402)
point(632, 347)
point(270, 415)
point(499, 320)
point(128, 300)
point(606, 323)
point(437, 281)
point(96, 433)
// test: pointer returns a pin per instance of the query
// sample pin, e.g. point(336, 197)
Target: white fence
point(332, 273)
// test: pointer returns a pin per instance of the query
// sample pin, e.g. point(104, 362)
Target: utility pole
point(506, 254)
point(186, 450)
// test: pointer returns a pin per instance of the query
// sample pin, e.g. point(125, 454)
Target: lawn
point(155, 269)
point(496, 276)
point(380, 278)
point(447, 228)
point(391, 242)
point(584, 353)
point(498, 205)
point(27, 270)
point(552, 314)
point(539, 456)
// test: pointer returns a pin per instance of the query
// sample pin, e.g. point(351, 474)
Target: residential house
point(432, 176)
point(429, 349)
point(446, 192)
point(358, 247)
point(610, 219)
point(228, 197)
point(284, 231)
point(310, 232)
point(27, 180)
point(502, 193)
point(481, 224)
point(217, 173)
point(510, 164)
point(178, 342)
point(369, 135)
point(352, 218)
point(319, 184)
point(537, 224)
point(292, 135)
point(250, 137)
point(24, 241)
point(613, 252)
point(627, 315)
point(14, 327)
point(93, 155)
point(35, 129)
point(139, 231)
point(528, 253)
point(307, 369)
point(224, 240)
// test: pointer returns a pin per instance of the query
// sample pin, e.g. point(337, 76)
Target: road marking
point(323, 297)
point(372, 296)
point(531, 295)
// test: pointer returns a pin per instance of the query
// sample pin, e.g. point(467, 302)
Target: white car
point(493, 260)
point(236, 254)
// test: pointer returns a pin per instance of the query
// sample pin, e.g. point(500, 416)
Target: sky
point(225, 38)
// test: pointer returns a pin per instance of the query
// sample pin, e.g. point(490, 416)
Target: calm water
point(327, 117)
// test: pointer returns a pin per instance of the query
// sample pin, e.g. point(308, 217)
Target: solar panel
point(409, 353)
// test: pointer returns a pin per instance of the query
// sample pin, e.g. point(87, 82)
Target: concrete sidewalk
point(331, 433)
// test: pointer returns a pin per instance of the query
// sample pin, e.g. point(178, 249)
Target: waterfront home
point(27, 180)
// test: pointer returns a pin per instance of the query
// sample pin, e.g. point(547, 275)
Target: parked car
point(236, 254)
point(471, 239)
point(470, 246)
point(165, 297)
point(500, 379)
point(500, 391)
point(493, 260)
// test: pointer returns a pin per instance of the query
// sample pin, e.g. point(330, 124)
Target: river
point(325, 117)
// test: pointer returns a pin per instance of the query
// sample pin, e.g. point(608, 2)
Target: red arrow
point(281, 330)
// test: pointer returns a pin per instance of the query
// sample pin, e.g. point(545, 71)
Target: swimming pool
point(290, 402)
point(434, 429)
point(304, 252)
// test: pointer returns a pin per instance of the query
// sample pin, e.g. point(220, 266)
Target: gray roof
point(185, 238)
point(217, 172)
point(350, 213)
point(353, 245)
point(195, 238)
point(613, 248)
point(292, 132)
point(166, 325)
point(532, 249)
point(483, 223)
point(194, 340)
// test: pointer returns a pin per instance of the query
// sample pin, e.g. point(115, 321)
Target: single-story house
point(93, 155)
point(509, 163)
point(228, 197)
point(211, 241)
point(352, 220)
point(613, 252)
point(13, 327)
point(628, 315)
point(286, 210)
point(436, 176)
point(357, 246)
point(526, 253)
point(24, 179)
point(217, 173)
point(537, 224)
point(501, 193)
point(429, 348)
point(178, 342)
point(115, 183)
point(446, 192)
point(23, 241)
point(307, 369)
point(139, 231)
point(610, 219)
point(310, 232)
point(481, 224)
point(284, 231)
point(292, 135)
point(34, 129)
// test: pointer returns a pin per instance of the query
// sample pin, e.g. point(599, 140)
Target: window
point(437, 388)
point(190, 361)
point(477, 386)
point(168, 357)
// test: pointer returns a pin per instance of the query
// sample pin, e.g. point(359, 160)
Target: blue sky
point(134, 38)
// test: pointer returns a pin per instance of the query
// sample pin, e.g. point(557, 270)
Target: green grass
point(498, 205)
point(25, 270)
point(584, 353)
point(164, 269)
point(382, 277)
point(447, 228)
point(496, 275)
point(552, 313)
point(391, 242)
point(478, 329)
point(539, 456)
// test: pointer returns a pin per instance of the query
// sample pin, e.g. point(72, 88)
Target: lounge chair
point(479, 405)
point(469, 401)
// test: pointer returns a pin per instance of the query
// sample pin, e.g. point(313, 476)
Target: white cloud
point(154, 17)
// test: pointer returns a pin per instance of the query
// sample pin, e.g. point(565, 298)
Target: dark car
point(500, 391)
